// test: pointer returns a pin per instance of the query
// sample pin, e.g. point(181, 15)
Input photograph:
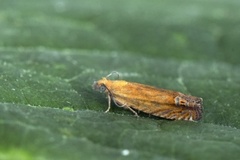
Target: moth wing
point(154, 101)
point(177, 112)
point(169, 111)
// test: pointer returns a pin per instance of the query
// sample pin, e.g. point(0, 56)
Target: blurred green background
point(51, 51)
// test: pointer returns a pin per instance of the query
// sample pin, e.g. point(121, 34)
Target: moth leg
point(125, 106)
point(109, 103)
point(132, 111)
point(118, 103)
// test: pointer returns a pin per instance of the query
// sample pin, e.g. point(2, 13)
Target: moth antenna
point(114, 72)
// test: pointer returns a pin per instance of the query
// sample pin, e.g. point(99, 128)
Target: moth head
point(100, 85)
point(104, 84)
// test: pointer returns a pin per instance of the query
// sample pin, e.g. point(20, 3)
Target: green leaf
point(51, 52)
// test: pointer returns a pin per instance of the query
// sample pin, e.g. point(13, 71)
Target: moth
point(151, 100)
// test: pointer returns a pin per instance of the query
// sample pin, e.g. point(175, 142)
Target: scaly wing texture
point(157, 102)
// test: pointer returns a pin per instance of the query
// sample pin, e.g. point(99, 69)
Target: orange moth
point(154, 101)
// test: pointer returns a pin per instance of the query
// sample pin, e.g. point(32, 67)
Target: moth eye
point(102, 88)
